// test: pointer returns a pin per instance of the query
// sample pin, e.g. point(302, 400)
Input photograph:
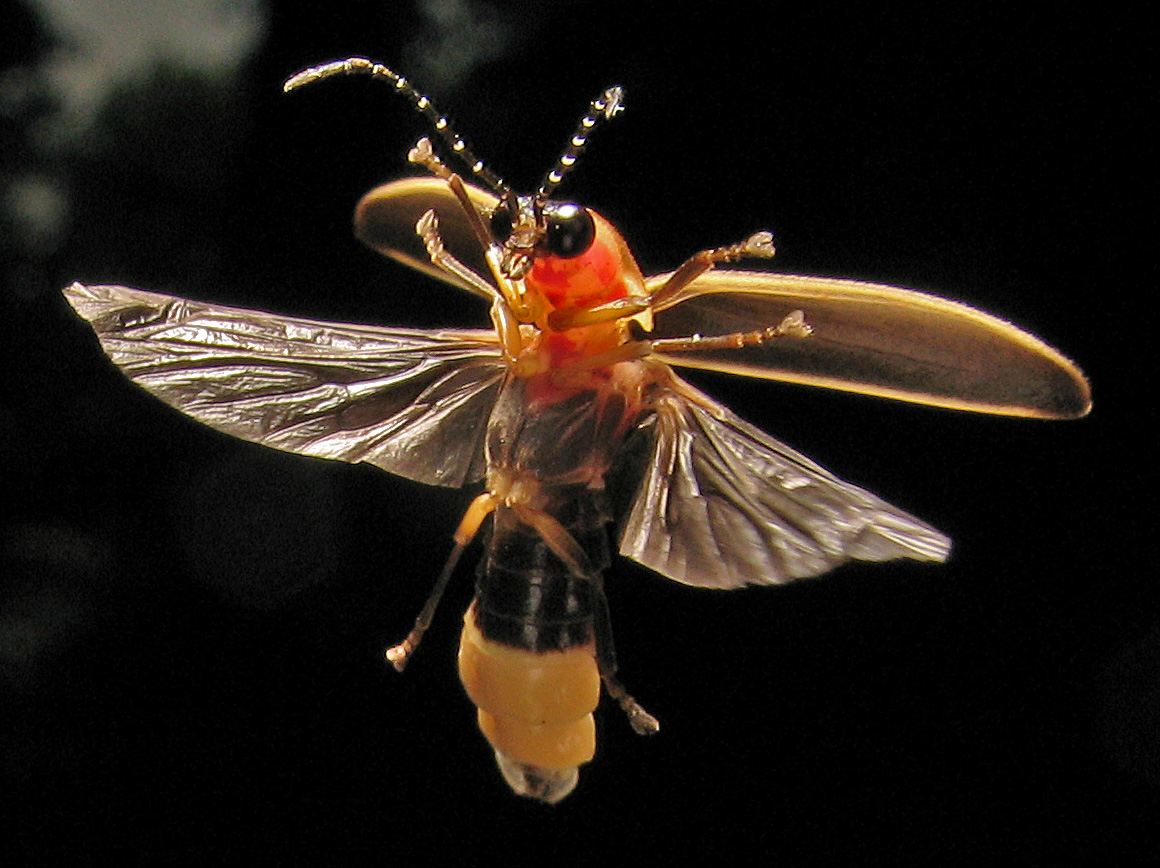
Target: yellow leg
point(481, 507)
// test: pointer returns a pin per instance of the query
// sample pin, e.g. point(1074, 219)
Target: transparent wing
point(878, 340)
point(414, 403)
point(722, 505)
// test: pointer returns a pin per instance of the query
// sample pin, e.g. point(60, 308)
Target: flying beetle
point(576, 371)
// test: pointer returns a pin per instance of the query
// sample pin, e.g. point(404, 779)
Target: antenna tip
point(613, 99)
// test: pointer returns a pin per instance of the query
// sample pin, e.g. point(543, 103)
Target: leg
point(758, 245)
point(508, 290)
point(792, 325)
point(480, 508)
point(642, 722)
point(427, 228)
point(568, 550)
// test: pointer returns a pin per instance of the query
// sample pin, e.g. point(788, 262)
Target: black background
point(192, 626)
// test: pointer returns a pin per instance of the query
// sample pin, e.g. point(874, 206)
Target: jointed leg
point(642, 722)
point(480, 508)
point(569, 551)
point(759, 245)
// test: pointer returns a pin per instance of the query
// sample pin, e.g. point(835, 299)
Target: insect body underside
point(536, 642)
point(576, 379)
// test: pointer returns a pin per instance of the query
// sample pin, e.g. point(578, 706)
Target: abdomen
point(527, 656)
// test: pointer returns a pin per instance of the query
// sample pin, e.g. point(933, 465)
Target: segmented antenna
point(442, 126)
point(604, 107)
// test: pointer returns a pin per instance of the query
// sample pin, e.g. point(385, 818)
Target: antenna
point(604, 107)
point(439, 122)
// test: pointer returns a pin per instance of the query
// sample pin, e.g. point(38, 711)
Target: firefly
point(575, 374)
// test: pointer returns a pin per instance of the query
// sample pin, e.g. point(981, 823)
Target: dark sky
point(191, 627)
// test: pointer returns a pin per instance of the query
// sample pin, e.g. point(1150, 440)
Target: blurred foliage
point(26, 105)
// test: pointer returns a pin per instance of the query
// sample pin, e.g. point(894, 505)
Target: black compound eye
point(501, 223)
point(571, 230)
